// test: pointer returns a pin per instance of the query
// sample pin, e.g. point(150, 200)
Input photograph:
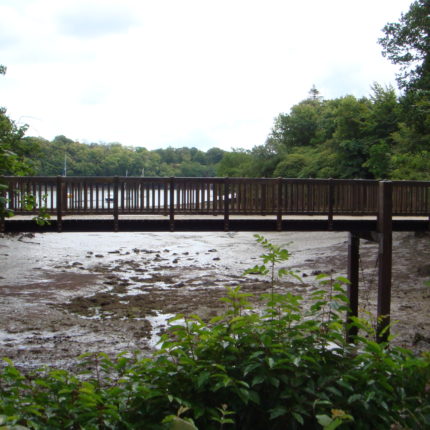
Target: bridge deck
point(106, 223)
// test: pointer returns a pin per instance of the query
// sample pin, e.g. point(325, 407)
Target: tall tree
point(298, 128)
point(10, 136)
point(407, 43)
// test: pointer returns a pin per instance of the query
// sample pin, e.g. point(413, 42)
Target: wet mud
point(64, 295)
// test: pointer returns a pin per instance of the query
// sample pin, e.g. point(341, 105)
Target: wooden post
point(59, 204)
point(279, 206)
point(115, 203)
point(352, 289)
point(226, 204)
point(172, 204)
point(385, 199)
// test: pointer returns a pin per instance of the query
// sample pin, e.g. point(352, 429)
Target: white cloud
point(95, 19)
point(189, 72)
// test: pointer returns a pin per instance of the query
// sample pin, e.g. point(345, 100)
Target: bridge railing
point(213, 196)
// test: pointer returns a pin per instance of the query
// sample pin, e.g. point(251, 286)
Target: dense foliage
point(284, 366)
point(407, 43)
point(52, 158)
point(380, 136)
point(11, 163)
point(10, 137)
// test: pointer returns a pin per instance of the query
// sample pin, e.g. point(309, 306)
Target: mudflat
point(66, 294)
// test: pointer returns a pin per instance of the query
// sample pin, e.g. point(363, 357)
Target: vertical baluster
point(226, 204)
point(148, 206)
point(115, 204)
point(142, 195)
point(153, 204)
point(158, 197)
point(85, 196)
point(172, 204)
point(331, 201)
point(59, 204)
point(279, 205)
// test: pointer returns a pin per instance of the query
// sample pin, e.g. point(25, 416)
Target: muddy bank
point(63, 295)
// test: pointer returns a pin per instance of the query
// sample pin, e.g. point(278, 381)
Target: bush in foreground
point(286, 366)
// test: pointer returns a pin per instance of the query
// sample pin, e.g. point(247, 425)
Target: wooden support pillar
point(385, 260)
point(226, 205)
point(59, 204)
point(352, 289)
point(172, 204)
point(115, 203)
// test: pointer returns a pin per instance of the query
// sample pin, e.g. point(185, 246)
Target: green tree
point(263, 159)
point(214, 155)
point(235, 163)
point(10, 135)
point(299, 127)
point(407, 43)
point(382, 124)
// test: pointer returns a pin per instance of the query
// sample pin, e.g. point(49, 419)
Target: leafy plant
point(30, 204)
point(4, 211)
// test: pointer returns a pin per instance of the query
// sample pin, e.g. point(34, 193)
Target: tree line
point(347, 137)
point(383, 135)
point(63, 156)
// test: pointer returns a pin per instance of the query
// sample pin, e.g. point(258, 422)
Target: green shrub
point(282, 365)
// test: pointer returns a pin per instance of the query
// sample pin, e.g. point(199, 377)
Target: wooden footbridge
point(366, 209)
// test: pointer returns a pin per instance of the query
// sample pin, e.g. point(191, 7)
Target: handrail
point(213, 196)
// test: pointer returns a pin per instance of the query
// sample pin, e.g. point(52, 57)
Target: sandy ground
point(65, 294)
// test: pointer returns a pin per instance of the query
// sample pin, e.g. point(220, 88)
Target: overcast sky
point(204, 73)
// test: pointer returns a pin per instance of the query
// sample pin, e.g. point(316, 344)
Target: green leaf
point(298, 418)
point(202, 379)
point(180, 424)
point(254, 397)
point(244, 395)
point(258, 379)
point(354, 398)
point(335, 391)
point(277, 412)
point(324, 420)
point(373, 347)
point(334, 424)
